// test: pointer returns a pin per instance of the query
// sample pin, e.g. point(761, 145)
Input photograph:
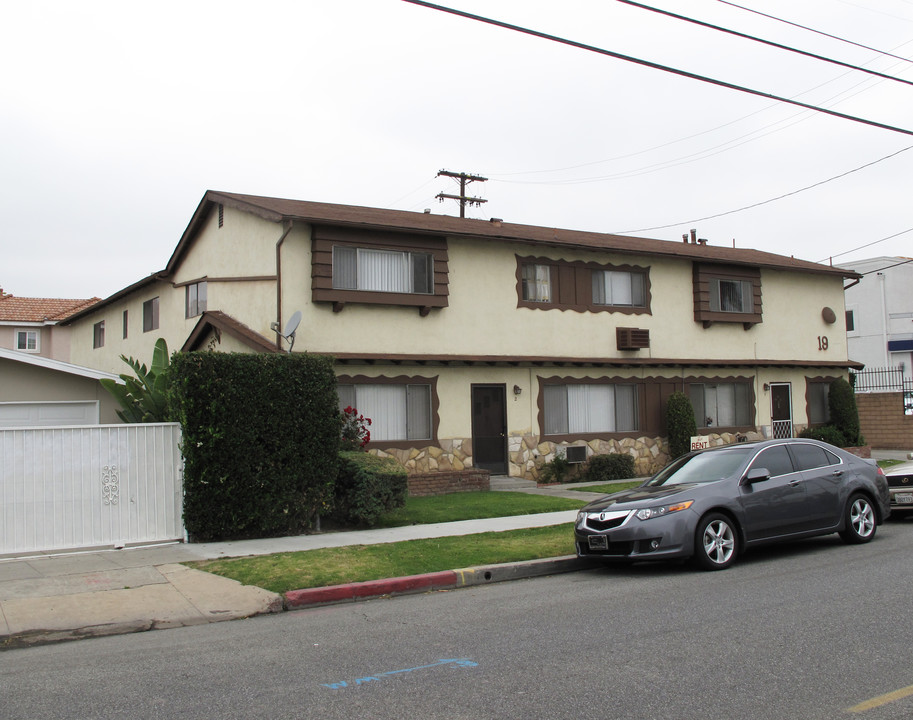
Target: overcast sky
point(117, 117)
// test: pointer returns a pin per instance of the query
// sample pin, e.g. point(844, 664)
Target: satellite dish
point(290, 328)
point(292, 325)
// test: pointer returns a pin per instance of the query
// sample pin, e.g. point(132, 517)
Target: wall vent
point(576, 454)
point(632, 338)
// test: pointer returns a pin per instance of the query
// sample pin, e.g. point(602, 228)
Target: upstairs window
point(195, 299)
point(614, 287)
point(589, 408)
point(536, 282)
point(850, 321)
point(727, 294)
point(391, 271)
point(552, 284)
point(151, 315)
point(732, 296)
point(27, 340)
point(98, 334)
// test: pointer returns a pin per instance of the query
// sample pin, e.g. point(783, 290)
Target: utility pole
point(464, 179)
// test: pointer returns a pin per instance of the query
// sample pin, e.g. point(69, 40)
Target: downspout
point(884, 318)
point(285, 232)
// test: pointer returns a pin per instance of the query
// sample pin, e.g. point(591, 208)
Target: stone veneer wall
point(527, 453)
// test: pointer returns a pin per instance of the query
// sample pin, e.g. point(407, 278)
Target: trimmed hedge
point(367, 486)
point(825, 433)
point(680, 424)
point(260, 441)
point(841, 401)
point(613, 466)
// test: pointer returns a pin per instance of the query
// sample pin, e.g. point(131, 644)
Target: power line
point(819, 32)
point(802, 116)
point(753, 38)
point(765, 202)
point(655, 66)
point(888, 267)
point(862, 247)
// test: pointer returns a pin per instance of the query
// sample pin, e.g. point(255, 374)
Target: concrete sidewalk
point(49, 598)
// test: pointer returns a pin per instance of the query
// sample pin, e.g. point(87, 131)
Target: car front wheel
point(859, 520)
point(716, 542)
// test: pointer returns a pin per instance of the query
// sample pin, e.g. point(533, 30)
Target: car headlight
point(581, 516)
point(650, 513)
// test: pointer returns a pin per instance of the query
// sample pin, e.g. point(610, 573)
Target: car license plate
point(904, 499)
point(598, 542)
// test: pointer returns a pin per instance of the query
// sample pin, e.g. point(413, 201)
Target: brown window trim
point(703, 273)
point(402, 380)
point(823, 379)
point(639, 383)
point(572, 286)
point(703, 380)
point(323, 238)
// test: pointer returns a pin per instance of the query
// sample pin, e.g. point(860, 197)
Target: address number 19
point(822, 342)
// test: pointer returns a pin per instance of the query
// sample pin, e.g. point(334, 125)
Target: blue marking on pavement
point(455, 662)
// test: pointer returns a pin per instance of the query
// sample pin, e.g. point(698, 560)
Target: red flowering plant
point(355, 433)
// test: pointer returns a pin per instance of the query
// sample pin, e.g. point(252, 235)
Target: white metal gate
point(82, 487)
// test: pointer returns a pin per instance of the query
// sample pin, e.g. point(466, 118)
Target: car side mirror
point(756, 475)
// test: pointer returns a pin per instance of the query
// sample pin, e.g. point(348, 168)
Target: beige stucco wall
point(483, 317)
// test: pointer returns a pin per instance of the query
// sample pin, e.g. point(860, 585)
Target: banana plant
point(143, 398)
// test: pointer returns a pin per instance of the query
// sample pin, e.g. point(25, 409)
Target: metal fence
point(890, 379)
point(89, 486)
point(883, 380)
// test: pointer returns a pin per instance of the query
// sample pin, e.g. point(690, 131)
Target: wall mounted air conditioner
point(632, 338)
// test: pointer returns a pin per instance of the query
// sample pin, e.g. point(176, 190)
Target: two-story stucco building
point(491, 344)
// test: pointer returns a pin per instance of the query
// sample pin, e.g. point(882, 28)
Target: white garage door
point(48, 414)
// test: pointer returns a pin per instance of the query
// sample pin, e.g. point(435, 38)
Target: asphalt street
point(808, 630)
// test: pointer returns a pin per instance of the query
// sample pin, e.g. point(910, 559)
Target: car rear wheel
point(859, 520)
point(716, 542)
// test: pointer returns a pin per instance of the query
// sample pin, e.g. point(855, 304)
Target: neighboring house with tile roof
point(31, 325)
point(492, 344)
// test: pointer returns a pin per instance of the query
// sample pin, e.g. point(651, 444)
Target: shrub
point(367, 487)
point(844, 414)
point(614, 466)
point(680, 424)
point(260, 441)
point(825, 433)
point(555, 470)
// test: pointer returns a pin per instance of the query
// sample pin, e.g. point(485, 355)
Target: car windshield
point(703, 467)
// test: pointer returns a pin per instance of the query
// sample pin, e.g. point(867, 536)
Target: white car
point(900, 485)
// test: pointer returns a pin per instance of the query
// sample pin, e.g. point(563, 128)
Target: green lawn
point(473, 505)
point(357, 563)
point(330, 566)
point(608, 487)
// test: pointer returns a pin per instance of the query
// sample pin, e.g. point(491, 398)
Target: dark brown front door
point(489, 428)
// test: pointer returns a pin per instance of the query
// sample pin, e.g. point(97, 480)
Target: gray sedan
point(713, 505)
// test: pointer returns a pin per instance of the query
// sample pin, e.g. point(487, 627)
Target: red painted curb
point(371, 588)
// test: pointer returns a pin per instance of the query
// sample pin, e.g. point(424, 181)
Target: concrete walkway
point(49, 598)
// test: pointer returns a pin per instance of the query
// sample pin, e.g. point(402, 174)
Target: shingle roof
point(278, 209)
point(22, 309)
